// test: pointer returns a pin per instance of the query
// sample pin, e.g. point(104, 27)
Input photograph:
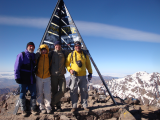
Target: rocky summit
point(100, 105)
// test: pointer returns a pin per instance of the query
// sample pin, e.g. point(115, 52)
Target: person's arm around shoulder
point(17, 68)
point(37, 55)
point(50, 53)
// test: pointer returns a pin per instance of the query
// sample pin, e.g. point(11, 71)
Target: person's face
point(30, 48)
point(77, 48)
point(43, 51)
point(57, 47)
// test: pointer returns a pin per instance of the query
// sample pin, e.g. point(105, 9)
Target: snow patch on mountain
point(141, 85)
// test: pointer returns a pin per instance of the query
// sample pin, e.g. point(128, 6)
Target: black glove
point(89, 77)
point(18, 80)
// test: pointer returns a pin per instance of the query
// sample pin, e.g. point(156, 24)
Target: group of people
point(43, 75)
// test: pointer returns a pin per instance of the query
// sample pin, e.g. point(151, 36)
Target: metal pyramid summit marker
point(61, 27)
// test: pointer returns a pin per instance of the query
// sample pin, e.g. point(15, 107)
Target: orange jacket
point(43, 64)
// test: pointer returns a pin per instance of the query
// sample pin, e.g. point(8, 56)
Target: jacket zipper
point(43, 66)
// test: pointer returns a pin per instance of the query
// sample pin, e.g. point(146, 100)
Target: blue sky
point(123, 36)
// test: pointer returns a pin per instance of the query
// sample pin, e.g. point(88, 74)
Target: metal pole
point(60, 17)
point(50, 22)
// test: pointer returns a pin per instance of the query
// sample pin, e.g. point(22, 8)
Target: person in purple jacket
point(25, 77)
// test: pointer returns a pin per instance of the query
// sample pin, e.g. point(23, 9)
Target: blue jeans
point(25, 87)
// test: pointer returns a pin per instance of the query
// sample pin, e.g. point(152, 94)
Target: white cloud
point(29, 22)
point(114, 32)
point(7, 75)
point(88, 28)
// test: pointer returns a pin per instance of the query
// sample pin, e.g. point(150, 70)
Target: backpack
point(23, 53)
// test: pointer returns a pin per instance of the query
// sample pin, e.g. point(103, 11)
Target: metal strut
point(104, 83)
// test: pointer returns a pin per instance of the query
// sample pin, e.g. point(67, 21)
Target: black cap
point(57, 43)
point(77, 42)
point(30, 43)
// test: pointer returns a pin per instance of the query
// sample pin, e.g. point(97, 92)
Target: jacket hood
point(44, 46)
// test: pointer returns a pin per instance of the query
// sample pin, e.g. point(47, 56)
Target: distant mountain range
point(95, 79)
point(5, 83)
point(8, 84)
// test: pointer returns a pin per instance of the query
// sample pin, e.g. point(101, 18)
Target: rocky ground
point(101, 108)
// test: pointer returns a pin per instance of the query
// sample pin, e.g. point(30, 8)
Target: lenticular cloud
point(88, 28)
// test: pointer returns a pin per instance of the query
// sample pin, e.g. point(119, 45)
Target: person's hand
point(18, 80)
point(89, 77)
point(71, 71)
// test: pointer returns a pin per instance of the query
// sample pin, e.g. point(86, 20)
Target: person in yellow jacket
point(77, 63)
point(43, 80)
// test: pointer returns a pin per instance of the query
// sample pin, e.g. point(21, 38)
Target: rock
point(105, 115)
point(79, 106)
point(132, 101)
point(125, 114)
point(113, 110)
point(65, 99)
point(99, 110)
point(90, 93)
point(91, 117)
point(5, 105)
point(118, 100)
point(63, 117)
point(91, 98)
point(107, 98)
point(112, 119)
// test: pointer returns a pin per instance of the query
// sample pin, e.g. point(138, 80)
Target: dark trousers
point(58, 88)
point(25, 87)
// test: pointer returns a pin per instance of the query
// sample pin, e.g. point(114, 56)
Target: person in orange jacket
point(43, 80)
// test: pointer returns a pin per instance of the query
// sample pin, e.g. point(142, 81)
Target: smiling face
point(43, 51)
point(77, 47)
point(30, 48)
point(57, 47)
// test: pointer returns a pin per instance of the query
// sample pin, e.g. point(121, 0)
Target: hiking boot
point(86, 109)
point(49, 111)
point(33, 106)
point(23, 106)
point(33, 112)
point(59, 109)
point(73, 109)
point(53, 109)
point(43, 111)
point(24, 113)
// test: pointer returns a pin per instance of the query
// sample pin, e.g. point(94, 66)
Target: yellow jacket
point(43, 64)
point(71, 63)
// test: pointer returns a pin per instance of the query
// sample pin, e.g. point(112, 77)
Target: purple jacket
point(24, 68)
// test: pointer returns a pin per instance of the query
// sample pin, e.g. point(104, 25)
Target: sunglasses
point(77, 45)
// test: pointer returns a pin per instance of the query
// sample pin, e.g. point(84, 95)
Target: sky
point(122, 36)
